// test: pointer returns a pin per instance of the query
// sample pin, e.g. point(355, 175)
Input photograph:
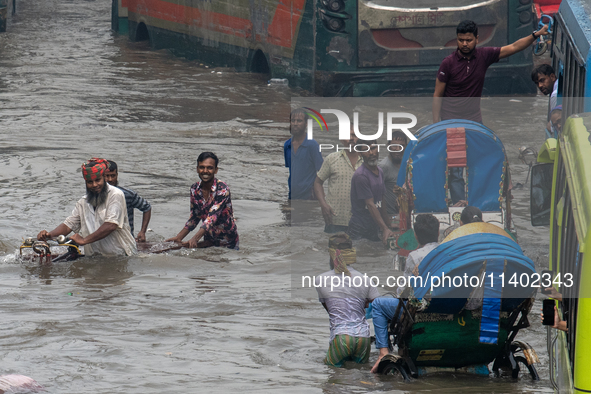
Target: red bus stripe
point(281, 31)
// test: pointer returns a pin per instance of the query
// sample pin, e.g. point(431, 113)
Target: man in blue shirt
point(132, 200)
point(302, 157)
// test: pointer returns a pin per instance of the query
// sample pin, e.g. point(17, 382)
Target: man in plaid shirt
point(133, 200)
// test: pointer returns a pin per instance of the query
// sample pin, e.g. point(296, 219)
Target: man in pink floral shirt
point(211, 205)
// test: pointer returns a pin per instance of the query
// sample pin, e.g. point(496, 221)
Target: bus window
point(570, 64)
point(541, 194)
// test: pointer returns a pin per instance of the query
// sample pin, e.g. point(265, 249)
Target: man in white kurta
point(99, 218)
point(85, 220)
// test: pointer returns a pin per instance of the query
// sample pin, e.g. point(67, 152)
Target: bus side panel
point(582, 178)
point(587, 77)
point(582, 377)
point(563, 371)
point(554, 249)
point(228, 33)
point(570, 235)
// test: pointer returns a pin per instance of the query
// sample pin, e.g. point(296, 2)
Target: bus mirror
point(541, 194)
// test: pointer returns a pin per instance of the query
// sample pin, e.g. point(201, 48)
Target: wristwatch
point(534, 35)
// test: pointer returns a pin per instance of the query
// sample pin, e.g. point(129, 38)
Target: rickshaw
point(452, 325)
point(424, 173)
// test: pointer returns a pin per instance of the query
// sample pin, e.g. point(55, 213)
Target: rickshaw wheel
point(531, 368)
point(394, 369)
point(540, 48)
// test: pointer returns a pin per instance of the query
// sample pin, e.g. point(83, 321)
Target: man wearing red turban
point(100, 217)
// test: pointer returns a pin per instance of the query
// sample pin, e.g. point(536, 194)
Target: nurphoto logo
point(345, 128)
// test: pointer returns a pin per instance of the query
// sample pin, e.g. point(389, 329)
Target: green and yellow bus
point(561, 198)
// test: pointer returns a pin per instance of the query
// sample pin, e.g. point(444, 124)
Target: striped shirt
point(133, 200)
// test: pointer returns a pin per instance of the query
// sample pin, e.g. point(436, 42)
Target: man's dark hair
point(467, 27)
point(398, 135)
point(298, 111)
point(112, 166)
point(207, 155)
point(471, 214)
point(544, 69)
point(426, 228)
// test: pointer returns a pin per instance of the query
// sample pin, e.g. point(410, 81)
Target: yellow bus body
point(571, 203)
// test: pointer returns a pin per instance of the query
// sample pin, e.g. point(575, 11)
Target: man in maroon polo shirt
point(459, 83)
point(461, 74)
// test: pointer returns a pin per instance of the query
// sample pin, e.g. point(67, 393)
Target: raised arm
point(522, 43)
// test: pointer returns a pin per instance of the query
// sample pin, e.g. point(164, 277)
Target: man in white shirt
point(99, 218)
point(345, 303)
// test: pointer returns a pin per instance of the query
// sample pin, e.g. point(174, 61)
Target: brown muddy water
point(192, 320)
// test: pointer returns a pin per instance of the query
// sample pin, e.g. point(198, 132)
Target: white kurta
point(85, 220)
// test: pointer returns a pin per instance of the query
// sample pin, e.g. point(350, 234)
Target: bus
point(561, 199)
point(571, 55)
point(335, 47)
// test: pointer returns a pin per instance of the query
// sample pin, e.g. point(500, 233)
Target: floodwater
point(191, 320)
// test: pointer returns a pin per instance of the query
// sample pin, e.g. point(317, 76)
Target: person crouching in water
point(212, 205)
point(345, 304)
point(426, 229)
